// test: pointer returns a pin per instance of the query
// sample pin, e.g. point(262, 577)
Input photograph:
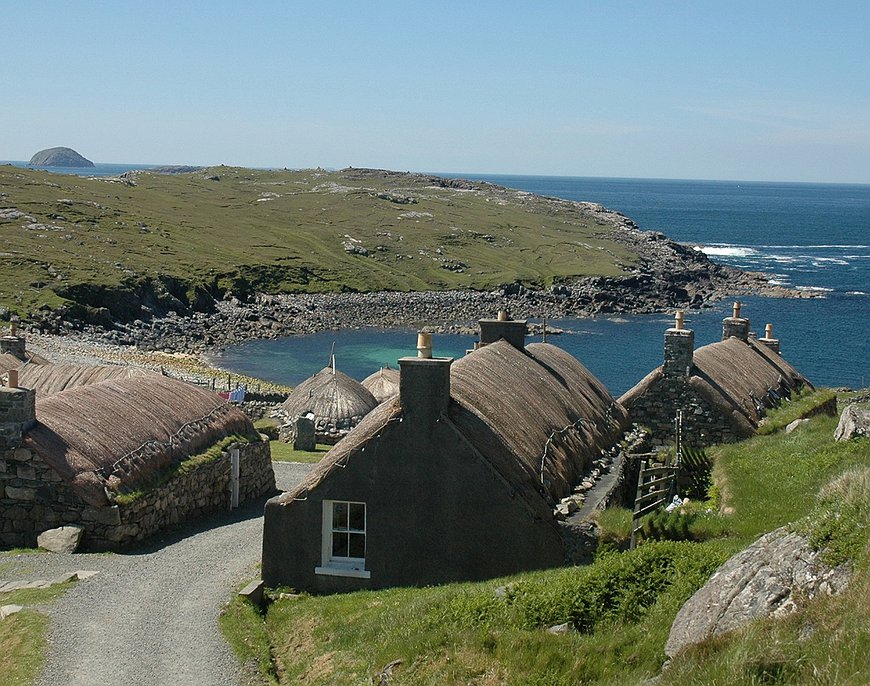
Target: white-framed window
point(344, 539)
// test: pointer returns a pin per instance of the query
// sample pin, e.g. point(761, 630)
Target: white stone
point(64, 539)
point(7, 610)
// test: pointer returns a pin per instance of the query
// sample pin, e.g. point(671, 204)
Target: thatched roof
point(54, 378)
point(383, 384)
point(740, 379)
point(9, 361)
point(337, 402)
point(123, 433)
point(516, 410)
point(543, 404)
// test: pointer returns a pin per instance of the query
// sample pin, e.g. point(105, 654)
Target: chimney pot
point(768, 330)
point(502, 315)
point(12, 378)
point(678, 321)
point(424, 345)
point(736, 310)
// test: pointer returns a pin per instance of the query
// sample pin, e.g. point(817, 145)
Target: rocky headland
point(59, 157)
point(137, 271)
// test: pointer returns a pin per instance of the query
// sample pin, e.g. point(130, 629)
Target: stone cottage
point(453, 479)
point(123, 458)
point(719, 392)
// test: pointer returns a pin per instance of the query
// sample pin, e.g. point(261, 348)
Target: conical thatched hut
point(335, 402)
point(383, 384)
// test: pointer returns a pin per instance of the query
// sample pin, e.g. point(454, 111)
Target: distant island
point(59, 157)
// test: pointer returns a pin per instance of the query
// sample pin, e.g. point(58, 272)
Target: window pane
point(357, 545)
point(339, 516)
point(339, 545)
point(357, 516)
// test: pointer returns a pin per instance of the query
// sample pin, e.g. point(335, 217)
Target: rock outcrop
point(765, 580)
point(59, 157)
point(854, 422)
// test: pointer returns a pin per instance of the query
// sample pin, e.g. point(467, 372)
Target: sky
point(762, 90)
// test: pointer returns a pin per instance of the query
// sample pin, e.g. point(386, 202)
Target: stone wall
point(34, 498)
point(702, 424)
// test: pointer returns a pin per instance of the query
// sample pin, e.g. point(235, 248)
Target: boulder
point(765, 580)
point(64, 539)
point(854, 421)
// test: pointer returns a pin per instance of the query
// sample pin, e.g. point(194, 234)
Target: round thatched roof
point(336, 401)
point(383, 384)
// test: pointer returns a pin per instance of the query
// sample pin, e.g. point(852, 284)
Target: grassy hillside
point(101, 242)
point(496, 632)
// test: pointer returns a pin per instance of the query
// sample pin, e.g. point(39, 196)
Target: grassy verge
point(22, 635)
point(620, 607)
point(284, 452)
point(245, 630)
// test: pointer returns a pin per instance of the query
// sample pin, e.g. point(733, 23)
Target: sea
point(811, 237)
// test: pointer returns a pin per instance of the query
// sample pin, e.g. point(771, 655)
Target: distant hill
point(59, 157)
point(116, 245)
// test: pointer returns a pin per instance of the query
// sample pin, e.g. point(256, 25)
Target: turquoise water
point(810, 236)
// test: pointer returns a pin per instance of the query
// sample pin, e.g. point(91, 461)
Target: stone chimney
point(769, 340)
point(679, 349)
point(17, 414)
point(13, 344)
point(513, 331)
point(424, 383)
point(735, 326)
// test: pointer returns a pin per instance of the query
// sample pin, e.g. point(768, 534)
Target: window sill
point(344, 571)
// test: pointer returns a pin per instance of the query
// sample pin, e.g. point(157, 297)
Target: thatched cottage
point(332, 400)
point(720, 391)
point(383, 384)
point(123, 457)
point(454, 479)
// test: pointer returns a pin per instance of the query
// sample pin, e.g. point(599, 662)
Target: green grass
point(184, 467)
point(245, 630)
point(623, 604)
point(284, 452)
point(800, 406)
point(185, 234)
point(22, 635)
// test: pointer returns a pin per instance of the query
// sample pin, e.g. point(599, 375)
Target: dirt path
point(150, 617)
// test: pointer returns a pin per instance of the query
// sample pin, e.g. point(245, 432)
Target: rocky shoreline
point(670, 276)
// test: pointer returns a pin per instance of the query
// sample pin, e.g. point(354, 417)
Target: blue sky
point(714, 90)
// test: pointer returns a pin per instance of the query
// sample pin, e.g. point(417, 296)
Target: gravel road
point(150, 616)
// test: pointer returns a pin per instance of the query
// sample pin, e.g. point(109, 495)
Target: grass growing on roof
point(186, 466)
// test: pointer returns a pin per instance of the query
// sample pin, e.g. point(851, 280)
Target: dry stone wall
point(34, 498)
point(702, 424)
